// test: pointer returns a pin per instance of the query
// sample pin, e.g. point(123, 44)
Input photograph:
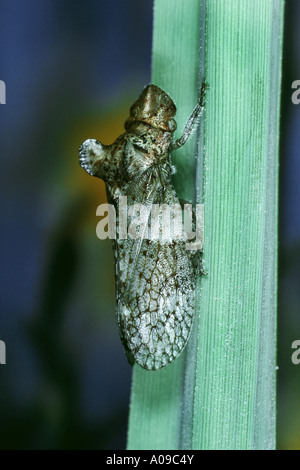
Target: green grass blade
point(220, 394)
point(234, 401)
point(155, 411)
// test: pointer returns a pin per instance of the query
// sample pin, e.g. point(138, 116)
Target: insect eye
point(172, 125)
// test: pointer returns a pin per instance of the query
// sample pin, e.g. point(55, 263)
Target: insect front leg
point(193, 121)
point(196, 254)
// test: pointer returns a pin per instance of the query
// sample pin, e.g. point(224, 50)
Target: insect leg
point(197, 255)
point(193, 121)
point(197, 261)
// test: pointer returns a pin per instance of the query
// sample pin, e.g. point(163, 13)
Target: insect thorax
point(151, 140)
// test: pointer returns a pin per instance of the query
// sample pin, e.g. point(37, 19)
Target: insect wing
point(155, 290)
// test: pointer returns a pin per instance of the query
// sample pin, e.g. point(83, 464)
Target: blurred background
point(72, 70)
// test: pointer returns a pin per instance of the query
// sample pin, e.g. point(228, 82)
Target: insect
point(155, 278)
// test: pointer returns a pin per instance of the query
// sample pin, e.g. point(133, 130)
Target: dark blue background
point(72, 69)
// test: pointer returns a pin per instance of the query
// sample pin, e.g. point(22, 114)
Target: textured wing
point(155, 291)
point(156, 308)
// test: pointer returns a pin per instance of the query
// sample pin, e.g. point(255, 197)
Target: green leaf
point(220, 394)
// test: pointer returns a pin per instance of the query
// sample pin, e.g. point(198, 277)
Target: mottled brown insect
point(155, 279)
